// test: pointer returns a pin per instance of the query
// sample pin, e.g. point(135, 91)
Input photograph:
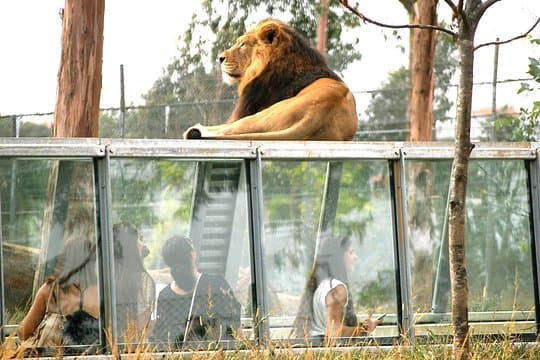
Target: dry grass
point(502, 349)
point(505, 348)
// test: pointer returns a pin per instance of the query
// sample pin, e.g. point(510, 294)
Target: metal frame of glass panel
point(396, 153)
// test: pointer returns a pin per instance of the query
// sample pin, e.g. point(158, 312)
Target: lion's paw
point(194, 132)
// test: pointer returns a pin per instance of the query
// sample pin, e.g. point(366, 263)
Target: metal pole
point(167, 118)
point(256, 228)
point(441, 289)
point(105, 249)
point(14, 126)
point(122, 103)
point(403, 249)
point(494, 91)
point(2, 297)
point(13, 184)
point(534, 184)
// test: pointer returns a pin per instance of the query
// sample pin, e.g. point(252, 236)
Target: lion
point(286, 91)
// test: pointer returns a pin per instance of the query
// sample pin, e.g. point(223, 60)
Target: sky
point(143, 36)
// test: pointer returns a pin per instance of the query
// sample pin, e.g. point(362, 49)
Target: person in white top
point(325, 309)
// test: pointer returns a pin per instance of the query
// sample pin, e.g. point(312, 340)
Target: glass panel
point(157, 204)
point(356, 203)
point(49, 234)
point(498, 242)
point(23, 195)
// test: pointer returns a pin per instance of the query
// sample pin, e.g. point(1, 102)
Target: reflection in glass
point(23, 196)
point(205, 201)
point(497, 236)
point(58, 208)
point(304, 198)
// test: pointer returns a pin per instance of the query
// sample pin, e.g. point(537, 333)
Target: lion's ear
point(268, 33)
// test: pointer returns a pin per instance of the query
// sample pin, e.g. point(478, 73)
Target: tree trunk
point(458, 191)
point(420, 112)
point(322, 27)
point(422, 53)
point(79, 76)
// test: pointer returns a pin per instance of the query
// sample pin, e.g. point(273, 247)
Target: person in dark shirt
point(215, 312)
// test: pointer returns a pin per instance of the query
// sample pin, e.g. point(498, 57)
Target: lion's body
point(286, 91)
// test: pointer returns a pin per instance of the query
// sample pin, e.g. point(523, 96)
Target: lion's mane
point(288, 67)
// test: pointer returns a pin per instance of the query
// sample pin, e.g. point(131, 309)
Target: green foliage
point(525, 126)
point(228, 19)
point(388, 107)
point(26, 129)
point(191, 83)
point(498, 236)
point(379, 293)
point(23, 190)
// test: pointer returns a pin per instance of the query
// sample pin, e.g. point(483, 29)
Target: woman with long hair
point(74, 292)
point(135, 288)
point(74, 287)
point(326, 308)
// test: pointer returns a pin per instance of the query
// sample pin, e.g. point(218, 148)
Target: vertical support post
point(441, 290)
point(2, 297)
point(494, 92)
point(167, 119)
point(122, 103)
point(329, 201)
point(534, 186)
point(256, 231)
point(13, 184)
point(105, 247)
point(13, 199)
point(403, 255)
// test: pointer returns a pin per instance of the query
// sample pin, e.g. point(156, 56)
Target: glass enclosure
point(49, 229)
point(305, 202)
point(498, 241)
point(256, 219)
point(203, 200)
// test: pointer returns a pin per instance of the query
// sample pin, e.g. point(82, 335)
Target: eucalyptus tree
point(467, 15)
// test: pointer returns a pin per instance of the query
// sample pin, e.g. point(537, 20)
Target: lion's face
point(237, 59)
point(251, 52)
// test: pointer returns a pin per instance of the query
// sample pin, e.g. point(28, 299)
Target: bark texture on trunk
point(79, 75)
point(458, 191)
point(422, 54)
point(322, 27)
point(420, 113)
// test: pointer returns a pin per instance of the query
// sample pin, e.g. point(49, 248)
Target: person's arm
point(336, 299)
point(36, 313)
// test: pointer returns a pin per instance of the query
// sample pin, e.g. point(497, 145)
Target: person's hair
point(135, 289)
point(177, 252)
point(77, 262)
point(328, 264)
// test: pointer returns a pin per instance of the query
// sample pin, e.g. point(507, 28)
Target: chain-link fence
point(494, 123)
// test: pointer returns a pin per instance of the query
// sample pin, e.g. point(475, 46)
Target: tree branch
point(456, 10)
point(482, 7)
point(453, 7)
point(408, 26)
point(509, 40)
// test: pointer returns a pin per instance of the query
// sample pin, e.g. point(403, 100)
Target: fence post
point(122, 103)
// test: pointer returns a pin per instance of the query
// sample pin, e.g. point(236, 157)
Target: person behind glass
point(215, 312)
point(75, 289)
point(135, 288)
point(74, 292)
point(326, 308)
